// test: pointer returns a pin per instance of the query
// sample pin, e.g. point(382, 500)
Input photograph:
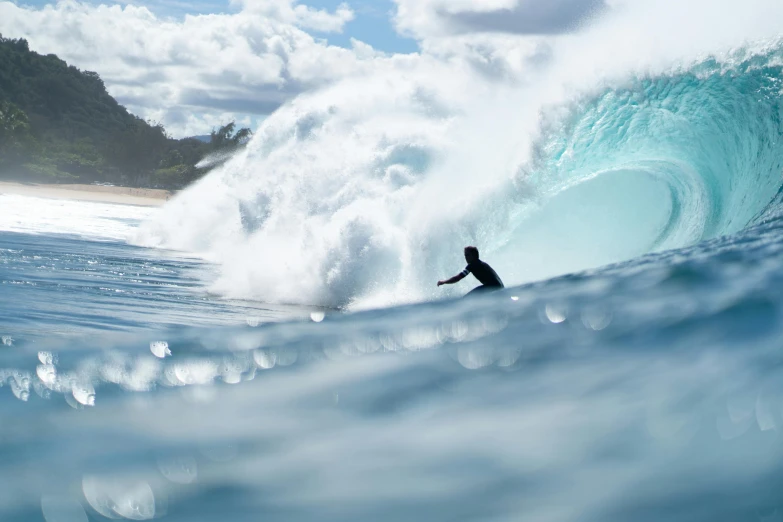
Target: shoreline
point(93, 193)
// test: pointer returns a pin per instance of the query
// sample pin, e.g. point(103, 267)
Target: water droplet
point(84, 393)
point(47, 373)
point(127, 498)
point(20, 387)
point(287, 357)
point(62, 509)
point(160, 349)
point(596, 319)
point(265, 360)
point(181, 470)
point(73, 403)
point(196, 372)
point(46, 357)
point(556, 314)
point(252, 321)
point(42, 391)
point(474, 358)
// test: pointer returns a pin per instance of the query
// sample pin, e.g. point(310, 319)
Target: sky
point(371, 23)
point(193, 66)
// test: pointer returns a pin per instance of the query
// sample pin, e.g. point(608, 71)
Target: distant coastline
point(58, 124)
point(95, 193)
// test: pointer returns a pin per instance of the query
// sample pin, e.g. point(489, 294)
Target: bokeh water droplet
point(264, 359)
point(62, 509)
point(180, 470)
point(160, 349)
point(84, 393)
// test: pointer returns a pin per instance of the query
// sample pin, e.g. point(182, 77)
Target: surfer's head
point(471, 254)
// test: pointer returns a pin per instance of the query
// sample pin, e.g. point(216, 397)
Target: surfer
point(489, 279)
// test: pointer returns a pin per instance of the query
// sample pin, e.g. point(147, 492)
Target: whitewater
point(621, 144)
point(271, 344)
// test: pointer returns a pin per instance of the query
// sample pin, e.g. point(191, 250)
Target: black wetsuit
point(488, 278)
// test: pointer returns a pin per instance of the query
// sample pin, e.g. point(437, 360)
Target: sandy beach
point(98, 193)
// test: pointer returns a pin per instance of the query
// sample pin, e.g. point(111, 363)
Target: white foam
point(364, 194)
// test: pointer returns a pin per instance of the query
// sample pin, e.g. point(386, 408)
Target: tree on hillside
point(225, 137)
point(138, 147)
point(59, 123)
point(13, 120)
point(16, 142)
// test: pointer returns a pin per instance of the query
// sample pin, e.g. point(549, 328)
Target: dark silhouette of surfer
point(489, 279)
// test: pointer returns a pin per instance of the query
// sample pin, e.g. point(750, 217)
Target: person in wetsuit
point(488, 278)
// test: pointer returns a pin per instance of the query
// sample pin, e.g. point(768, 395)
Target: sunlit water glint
point(66, 269)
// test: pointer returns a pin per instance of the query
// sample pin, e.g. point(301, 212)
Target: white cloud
point(190, 73)
point(288, 11)
point(426, 19)
point(193, 73)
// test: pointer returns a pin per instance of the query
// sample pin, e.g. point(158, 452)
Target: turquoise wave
point(710, 136)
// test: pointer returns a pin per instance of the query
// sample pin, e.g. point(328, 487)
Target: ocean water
point(68, 271)
point(270, 345)
point(644, 390)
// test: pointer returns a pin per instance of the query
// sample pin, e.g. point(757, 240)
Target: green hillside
point(58, 124)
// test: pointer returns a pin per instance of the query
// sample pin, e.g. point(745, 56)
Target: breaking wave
point(363, 194)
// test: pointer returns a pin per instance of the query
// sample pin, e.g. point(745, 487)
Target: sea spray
point(625, 142)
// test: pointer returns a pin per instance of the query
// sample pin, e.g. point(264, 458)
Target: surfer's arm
point(456, 279)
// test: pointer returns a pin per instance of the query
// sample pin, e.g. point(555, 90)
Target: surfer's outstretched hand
point(441, 283)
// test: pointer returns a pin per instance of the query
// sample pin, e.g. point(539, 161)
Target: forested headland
point(58, 124)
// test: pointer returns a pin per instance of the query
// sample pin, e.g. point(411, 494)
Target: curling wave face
point(362, 195)
point(661, 163)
